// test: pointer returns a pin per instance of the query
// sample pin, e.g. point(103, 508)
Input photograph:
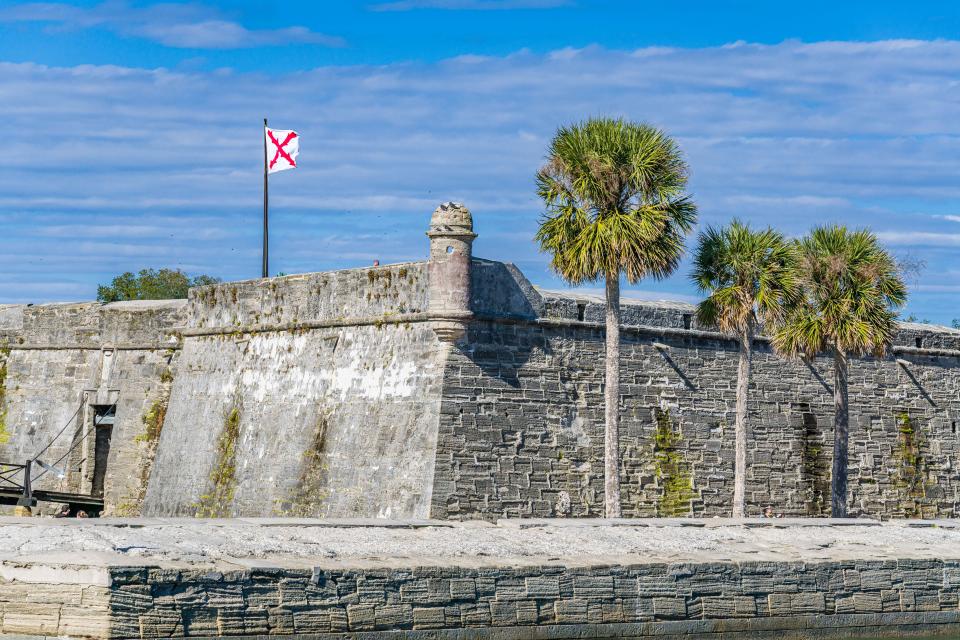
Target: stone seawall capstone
point(821, 584)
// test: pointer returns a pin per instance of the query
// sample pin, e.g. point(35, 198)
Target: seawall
point(154, 578)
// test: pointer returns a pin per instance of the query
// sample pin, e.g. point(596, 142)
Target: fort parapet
point(452, 388)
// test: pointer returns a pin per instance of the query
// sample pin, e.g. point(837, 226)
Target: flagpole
point(266, 230)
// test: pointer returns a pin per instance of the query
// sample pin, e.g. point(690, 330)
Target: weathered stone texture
point(310, 297)
point(145, 603)
point(330, 394)
point(330, 421)
point(63, 359)
point(521, 428)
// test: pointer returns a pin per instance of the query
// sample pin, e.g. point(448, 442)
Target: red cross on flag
point(282, 149)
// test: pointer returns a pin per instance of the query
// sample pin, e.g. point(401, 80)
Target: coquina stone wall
point(311, 395)
point(555, 600)
point(521, 429)
point(59, 362)
point(347, 393)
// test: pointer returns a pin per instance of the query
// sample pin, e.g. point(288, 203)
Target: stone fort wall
point(521, 430)
point(60, 362)
point(393, 392)
point(309, 395)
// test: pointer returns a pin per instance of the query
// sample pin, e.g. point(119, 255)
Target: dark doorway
point(103, 418)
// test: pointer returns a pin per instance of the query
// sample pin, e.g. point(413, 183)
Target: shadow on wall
point(500, 290)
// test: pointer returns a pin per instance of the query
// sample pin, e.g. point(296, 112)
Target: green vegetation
point(153, 420)
point(311, 490)
point(4, 356)
point(671, 470)
point(851, 288)
point(151, 284)
point(912, 469)
point(614, 194)
point(749, 276)
point(219, 502)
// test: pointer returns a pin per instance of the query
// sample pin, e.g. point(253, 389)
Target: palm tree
point(751, 280)
point(615, 200)
point(851, 289)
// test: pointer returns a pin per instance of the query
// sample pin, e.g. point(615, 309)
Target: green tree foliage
point(751, 279)
point(151, 284)
point(851, 290)
point(614, 194)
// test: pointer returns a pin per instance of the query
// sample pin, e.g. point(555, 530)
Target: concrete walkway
point(389, 543)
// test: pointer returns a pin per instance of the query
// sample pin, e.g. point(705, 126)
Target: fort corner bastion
point(451, 388)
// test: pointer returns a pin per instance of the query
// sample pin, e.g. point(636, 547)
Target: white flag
point(282, 149)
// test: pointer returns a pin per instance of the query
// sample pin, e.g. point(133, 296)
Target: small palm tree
point(751, 280)
point(851, 289)
point(615, 202)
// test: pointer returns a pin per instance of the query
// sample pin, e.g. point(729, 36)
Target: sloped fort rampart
point(451, 388)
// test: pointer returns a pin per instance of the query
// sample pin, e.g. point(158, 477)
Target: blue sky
point(132, 135)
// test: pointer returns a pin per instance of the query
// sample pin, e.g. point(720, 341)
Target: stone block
point(160, 622)
point(475, 614)
point(543, 587)
point(428, 618)
point(199, 621)
point(527, 612)
point(791, 604)
point(503, 613)
point(669, 608)
point(361, 617)
point(593, 587)
point(728, 607)
point(310, 620)
point(463, 589)
point(511, 589)
point(393, 616)
point(572, 611)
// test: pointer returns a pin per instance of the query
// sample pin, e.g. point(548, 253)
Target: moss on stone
point(219, 502)
point(910, 477)
point(4, 356)
point(148, 442)
point(153, 420)
point(671, 469)
point(310, 493)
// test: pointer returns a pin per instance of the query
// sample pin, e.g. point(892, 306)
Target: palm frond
point(615, 201)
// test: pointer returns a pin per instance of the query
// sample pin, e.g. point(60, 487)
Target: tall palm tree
point(851, 289)
point(614, 193)
point(751, 279)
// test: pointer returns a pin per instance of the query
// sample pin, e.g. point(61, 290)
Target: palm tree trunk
point(611, 440)
point(740, 429)
point(841, 436)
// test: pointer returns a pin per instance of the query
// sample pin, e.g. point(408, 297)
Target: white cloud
point(919, 238)
point(792, 135)
point(185, 26)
